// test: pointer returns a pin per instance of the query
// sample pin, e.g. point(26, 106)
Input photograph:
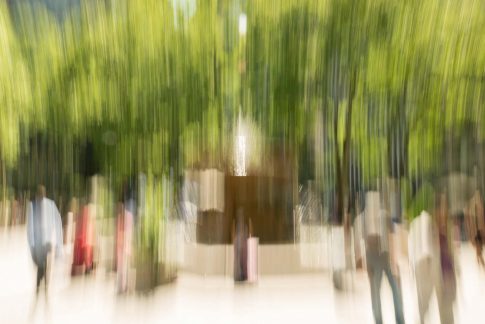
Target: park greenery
point(359, 90)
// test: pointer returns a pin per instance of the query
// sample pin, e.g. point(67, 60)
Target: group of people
point(48, 241)
point(432, 239)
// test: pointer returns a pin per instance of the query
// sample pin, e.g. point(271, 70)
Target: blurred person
point(124, 236)
point(83, 255)
point(44, 231)
point(241, 231)
point(447, 286)
point(79, 239)
point(479, 249)
point(380, 257)
point(476, 225)
point(423, 257)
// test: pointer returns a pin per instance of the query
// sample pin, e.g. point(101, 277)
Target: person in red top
point(84, 242)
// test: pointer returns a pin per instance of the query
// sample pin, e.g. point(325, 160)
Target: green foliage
point(169, 78)
point(423, 201)
point(15, 95)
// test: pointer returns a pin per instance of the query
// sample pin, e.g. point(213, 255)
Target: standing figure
point(379, 257)
point(125, 223)
point(84, 241)
point(124, 229)
point(424, 259)
point(479, 248)
point(447, 288)
point(44, 232)
point(476, 226)
point(241, 233)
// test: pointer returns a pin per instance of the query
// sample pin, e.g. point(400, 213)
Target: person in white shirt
point(44, 233)
point(423, 258)
point(378, 228)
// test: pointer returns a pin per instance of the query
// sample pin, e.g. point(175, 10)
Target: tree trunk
point(338, 170)
point(342, 183)
point(342, 163)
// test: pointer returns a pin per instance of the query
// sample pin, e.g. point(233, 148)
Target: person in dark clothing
point(446, 292)
point(241, 233)
point(479, 248)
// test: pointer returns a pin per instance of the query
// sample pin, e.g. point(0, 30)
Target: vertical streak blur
point(160, 128)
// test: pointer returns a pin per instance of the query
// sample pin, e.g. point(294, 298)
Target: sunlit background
point(242, 161)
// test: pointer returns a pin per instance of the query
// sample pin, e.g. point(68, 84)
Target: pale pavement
point(305, 298)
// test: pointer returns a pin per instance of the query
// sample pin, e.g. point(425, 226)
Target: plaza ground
point(295, 298)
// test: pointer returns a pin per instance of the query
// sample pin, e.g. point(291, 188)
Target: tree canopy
point(382, 87)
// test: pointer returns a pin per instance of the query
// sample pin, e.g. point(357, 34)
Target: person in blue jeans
point(378, 229)
point(378, 264)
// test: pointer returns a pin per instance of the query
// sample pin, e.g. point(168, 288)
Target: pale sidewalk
point(303, 298)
